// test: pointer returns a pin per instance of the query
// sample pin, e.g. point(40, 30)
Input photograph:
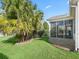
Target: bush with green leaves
point(46, 28)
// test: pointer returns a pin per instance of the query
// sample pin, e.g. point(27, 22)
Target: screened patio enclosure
point(62, 31)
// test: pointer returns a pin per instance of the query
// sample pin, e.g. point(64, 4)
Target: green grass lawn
point(37, 49)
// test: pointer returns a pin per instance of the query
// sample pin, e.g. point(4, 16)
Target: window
point(63, 29)
point(53, 29)
point(69, 29)
point(60, 29)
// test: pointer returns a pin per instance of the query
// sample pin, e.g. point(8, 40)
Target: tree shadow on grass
point(2, 56)
point(11, 40)
point(44, 39)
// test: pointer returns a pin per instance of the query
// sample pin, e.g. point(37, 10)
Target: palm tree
point(26, 14)
point(38, 16)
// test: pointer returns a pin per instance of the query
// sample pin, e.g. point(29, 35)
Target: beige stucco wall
point(72, 12)
point(72, 8)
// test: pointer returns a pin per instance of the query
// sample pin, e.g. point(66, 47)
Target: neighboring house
point(64, 29)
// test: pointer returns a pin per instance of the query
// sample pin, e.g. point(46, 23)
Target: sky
point(52, 7)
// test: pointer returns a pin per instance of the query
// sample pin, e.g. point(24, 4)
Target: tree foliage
point(46, 27)
point(27, 16)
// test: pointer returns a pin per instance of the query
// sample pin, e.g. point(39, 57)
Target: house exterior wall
point(72, 8)
point(69, 43)
point(77, 27)
point(72, 11)
point(62, 41)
